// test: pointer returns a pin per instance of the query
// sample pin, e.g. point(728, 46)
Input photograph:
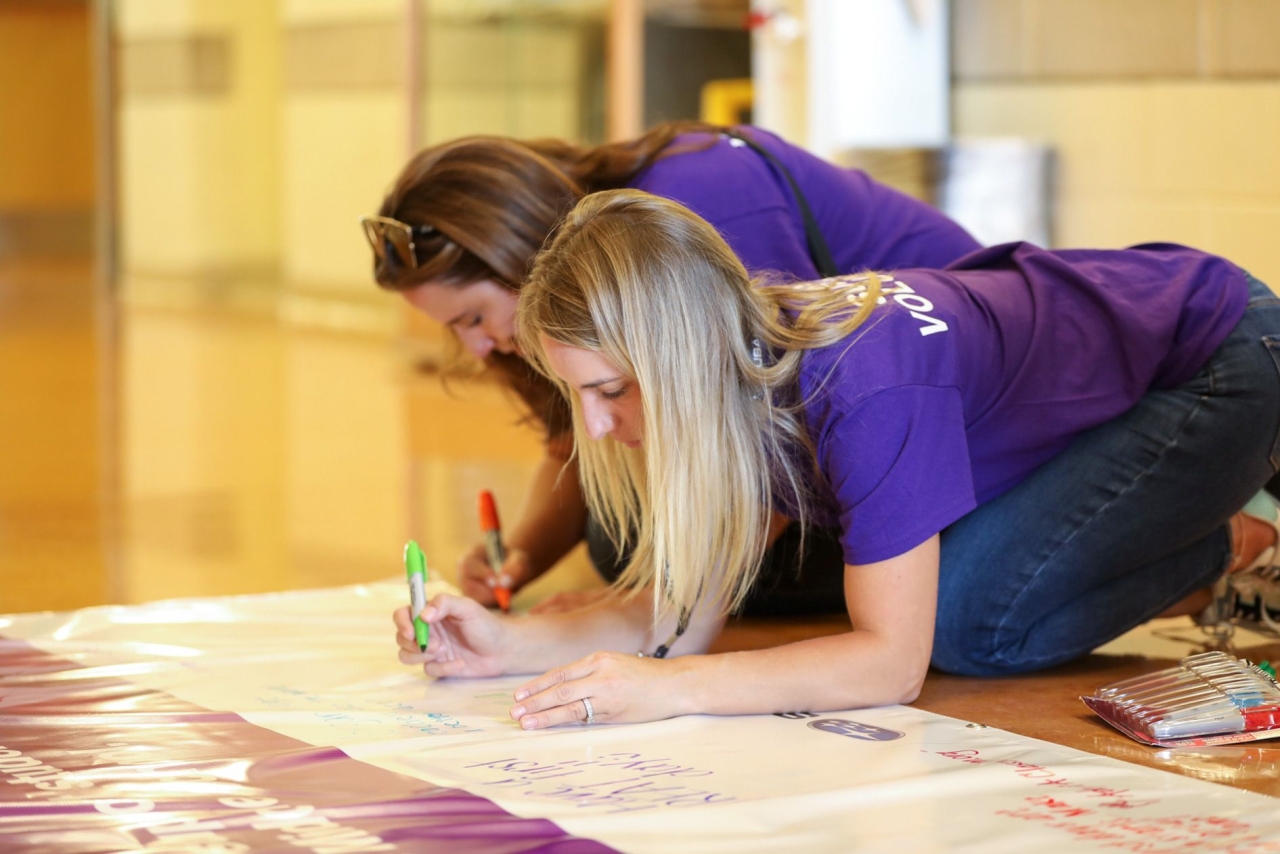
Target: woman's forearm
point(882, 661)
point(554, 515)
point(543, 641)
point(853, 670)
point(590, 655)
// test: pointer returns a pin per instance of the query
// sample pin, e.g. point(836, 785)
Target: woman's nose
point(477, 343)
point(599, 421)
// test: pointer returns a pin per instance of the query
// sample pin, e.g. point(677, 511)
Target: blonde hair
point(654, 289)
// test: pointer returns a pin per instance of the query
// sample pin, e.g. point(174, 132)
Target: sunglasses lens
point(392, 254)
point(397, 240)
point(391, 243)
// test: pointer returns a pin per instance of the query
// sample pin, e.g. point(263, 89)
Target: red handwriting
point(1177, 834)
point(1042, 776)
point(1059, 808)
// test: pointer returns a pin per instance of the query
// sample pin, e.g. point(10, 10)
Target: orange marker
point(493, 545)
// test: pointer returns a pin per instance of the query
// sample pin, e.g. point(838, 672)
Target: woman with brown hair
point(458, 232)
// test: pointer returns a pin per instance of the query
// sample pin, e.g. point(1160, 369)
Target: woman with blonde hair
point(458, 232)
point(1026, 455)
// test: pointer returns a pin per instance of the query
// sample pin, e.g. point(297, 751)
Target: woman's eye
point(474, 322)
point(614, 395)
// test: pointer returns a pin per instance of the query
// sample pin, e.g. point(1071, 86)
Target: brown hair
point(491, 203)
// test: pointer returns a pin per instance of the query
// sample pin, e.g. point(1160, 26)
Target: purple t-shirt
point(866, 225)
point(969, 378)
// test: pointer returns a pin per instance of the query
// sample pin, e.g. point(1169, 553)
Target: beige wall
point(520, 79)
point(254, 134)
point(1164, 114)
point(346, 115)
point(344, 120)
point(198, 161)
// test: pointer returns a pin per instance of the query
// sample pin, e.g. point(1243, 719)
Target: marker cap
point(488, 512)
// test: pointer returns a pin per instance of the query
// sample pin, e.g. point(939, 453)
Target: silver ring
point(591, 713)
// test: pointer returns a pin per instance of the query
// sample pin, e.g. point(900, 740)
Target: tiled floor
point(201, 445)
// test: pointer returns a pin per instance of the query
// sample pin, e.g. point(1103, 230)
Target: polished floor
point(187, 440)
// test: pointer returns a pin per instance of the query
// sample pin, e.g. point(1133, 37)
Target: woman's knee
point(966, 648)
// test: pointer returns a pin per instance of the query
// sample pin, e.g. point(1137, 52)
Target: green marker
point(415, 566)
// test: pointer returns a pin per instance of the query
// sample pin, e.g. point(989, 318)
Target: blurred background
point(203, 393)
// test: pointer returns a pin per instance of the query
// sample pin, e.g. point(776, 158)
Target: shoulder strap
point(819, 253)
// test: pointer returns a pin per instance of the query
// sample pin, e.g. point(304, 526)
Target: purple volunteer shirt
point(968, 379)
point(866, 225)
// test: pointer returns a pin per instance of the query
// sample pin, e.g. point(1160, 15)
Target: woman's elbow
point(912, 692)
point(909, 681)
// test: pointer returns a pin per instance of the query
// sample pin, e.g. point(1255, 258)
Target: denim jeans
point(1127, 521)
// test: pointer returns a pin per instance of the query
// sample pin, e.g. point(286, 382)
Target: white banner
point(320, 667)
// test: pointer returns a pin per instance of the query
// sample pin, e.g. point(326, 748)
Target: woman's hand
point(621, 688)
point(466, 639)
point(477, 580)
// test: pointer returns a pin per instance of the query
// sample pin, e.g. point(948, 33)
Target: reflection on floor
point(201, 445)
point(53, 550)
point(218, 448)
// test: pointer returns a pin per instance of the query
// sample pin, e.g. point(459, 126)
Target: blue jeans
point(1127, 521)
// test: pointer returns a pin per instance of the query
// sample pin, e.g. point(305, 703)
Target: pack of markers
point(1209, 698)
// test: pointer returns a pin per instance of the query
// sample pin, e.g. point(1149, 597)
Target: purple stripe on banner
point(104, 765)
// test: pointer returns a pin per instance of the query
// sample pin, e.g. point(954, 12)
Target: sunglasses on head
point(392, 240)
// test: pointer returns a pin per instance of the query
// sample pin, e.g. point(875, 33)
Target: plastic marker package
point(1209, 698)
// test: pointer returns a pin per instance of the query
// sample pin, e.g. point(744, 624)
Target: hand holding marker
point(493, 545)
point(415, 566)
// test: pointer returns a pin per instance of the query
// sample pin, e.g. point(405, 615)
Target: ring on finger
point(591, 713)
